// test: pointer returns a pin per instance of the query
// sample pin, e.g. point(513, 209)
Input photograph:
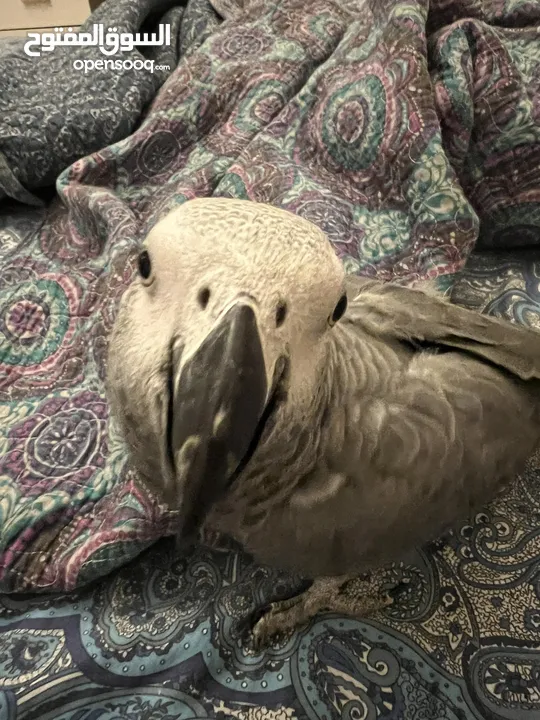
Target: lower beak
point(218, 402)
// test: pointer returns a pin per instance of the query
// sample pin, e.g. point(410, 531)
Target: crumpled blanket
point(52, 114)
point(407, 149)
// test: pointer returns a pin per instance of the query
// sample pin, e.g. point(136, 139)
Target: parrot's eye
point(339, 310)
point(204, 297)
point(145, 267)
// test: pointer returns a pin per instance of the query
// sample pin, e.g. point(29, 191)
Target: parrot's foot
point(354, 596)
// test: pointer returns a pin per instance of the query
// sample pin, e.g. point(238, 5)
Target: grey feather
point(389, 427)
point(400, 312)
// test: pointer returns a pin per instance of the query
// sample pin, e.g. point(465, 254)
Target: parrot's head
point(218, 341)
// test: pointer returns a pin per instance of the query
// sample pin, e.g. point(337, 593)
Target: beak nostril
point(281, 314)
point(204, 297)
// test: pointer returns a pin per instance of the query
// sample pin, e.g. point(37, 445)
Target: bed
point(412, 138)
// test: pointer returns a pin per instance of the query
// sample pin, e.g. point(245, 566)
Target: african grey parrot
point(328, 423)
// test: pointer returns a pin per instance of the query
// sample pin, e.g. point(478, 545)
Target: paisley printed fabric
point(410, 137)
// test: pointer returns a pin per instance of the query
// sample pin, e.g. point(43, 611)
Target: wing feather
point(409, 314)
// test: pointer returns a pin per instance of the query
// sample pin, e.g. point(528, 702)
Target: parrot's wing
point(418, 317)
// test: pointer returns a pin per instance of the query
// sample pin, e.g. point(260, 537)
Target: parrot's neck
point(306, 431)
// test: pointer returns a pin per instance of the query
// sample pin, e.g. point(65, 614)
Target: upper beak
point(218, 401)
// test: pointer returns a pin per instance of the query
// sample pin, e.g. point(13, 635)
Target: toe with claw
point(353, 596)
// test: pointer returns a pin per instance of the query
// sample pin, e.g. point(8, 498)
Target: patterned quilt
point(411, 135)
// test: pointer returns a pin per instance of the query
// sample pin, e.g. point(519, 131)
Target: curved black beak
point(217, 404)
